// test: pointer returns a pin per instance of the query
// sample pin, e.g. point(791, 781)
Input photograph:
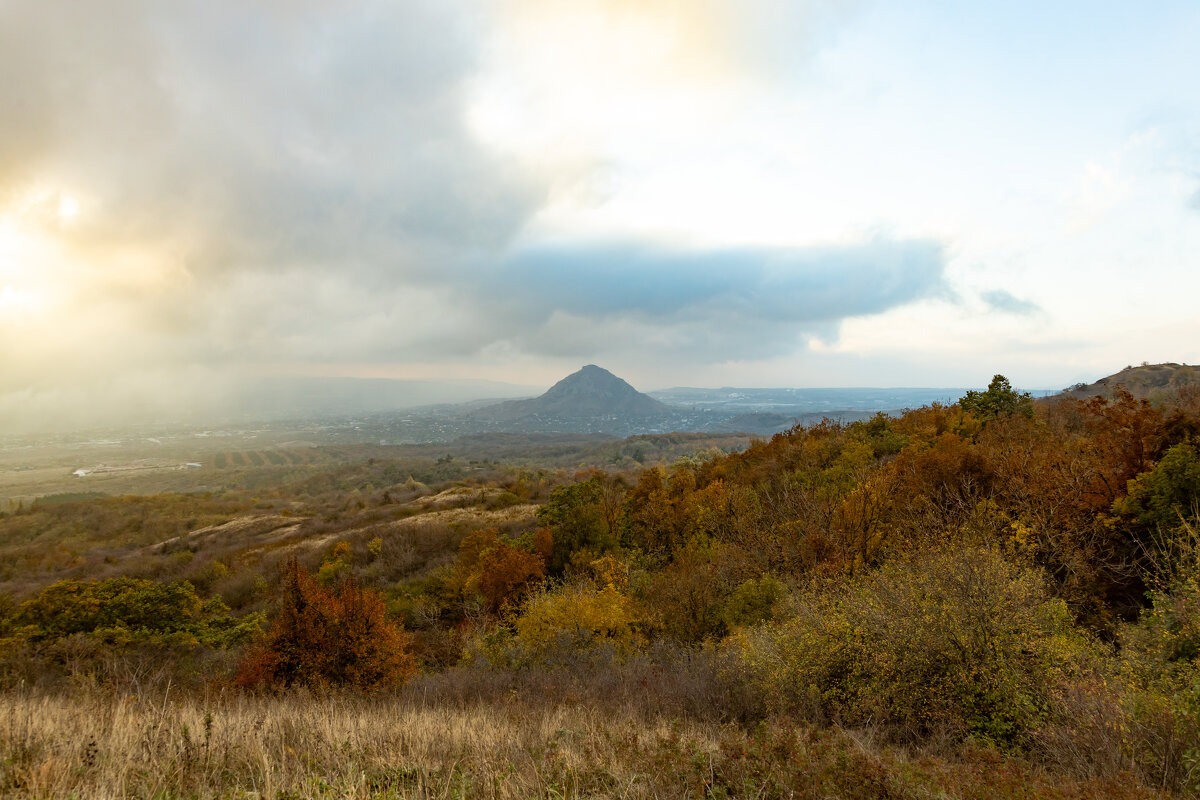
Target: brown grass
point(299, 745)
point(106, 745)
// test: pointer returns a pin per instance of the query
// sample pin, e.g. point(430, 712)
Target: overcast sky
point(687, 192)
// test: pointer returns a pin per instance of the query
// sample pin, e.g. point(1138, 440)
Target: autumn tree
point(328, 636)
point(1127, 434)
point(664, 511)
point(499, 570)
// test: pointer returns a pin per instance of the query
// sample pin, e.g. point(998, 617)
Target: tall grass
point(339, 745)
point(98, 744)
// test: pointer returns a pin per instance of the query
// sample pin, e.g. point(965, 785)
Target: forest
point(998, 597)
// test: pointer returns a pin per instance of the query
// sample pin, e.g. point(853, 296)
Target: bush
point(1161, 666)
point(131, 611)
point(556, 626)
point(752, 602)
point(954, 643)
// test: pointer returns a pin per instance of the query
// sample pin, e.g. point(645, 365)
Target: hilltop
point(1148, 381)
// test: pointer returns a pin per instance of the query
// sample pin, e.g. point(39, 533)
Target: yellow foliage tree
point(579, 615)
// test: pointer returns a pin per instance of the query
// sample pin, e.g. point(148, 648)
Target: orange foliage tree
point(329, 636)
point(500, 572)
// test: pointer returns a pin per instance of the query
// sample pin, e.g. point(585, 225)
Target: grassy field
point(104, 745)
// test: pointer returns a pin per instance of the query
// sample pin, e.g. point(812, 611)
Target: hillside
point(1149, 381)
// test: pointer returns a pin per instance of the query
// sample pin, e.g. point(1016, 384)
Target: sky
point(687, 192)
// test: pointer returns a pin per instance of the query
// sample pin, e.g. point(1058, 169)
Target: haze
point(197, 196)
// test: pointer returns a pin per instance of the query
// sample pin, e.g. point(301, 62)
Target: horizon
point(442, 394)
point(837, 194)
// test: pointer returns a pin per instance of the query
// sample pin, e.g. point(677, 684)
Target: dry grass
point(298, 745)
point(227, 745)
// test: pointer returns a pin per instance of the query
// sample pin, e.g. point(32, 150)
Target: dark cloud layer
point(707, 304)
point(788, 285)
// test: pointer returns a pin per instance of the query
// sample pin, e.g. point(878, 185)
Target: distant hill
point(1149, 381)
point(590, 393)
point(595, 401)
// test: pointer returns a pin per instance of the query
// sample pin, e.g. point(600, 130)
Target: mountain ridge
point(1147, 381)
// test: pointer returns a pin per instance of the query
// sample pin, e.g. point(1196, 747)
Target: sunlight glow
point(68, 208)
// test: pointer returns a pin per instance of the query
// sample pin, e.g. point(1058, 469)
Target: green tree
point(1000, 400)
point(584, 515)
point(1167, 494)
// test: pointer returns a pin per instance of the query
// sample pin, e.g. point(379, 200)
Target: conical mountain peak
point(592, 392)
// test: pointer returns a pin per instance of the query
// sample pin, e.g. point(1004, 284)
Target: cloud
point(785, 284)
point(268, 185)
point(1006, 302)
point(258, 135)
point(250, 178)
point(584, 299)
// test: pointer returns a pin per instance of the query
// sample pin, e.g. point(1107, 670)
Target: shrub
point(1161, 674)
point(752, 602)
point(575, 617)
point(958, 643)
point(131, 611)
point(689, 596)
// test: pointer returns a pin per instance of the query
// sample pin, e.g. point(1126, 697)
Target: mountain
point(594, 401)
point(590, 393)
point(1149, 381)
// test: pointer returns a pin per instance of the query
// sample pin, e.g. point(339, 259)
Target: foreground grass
point(102, 745)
